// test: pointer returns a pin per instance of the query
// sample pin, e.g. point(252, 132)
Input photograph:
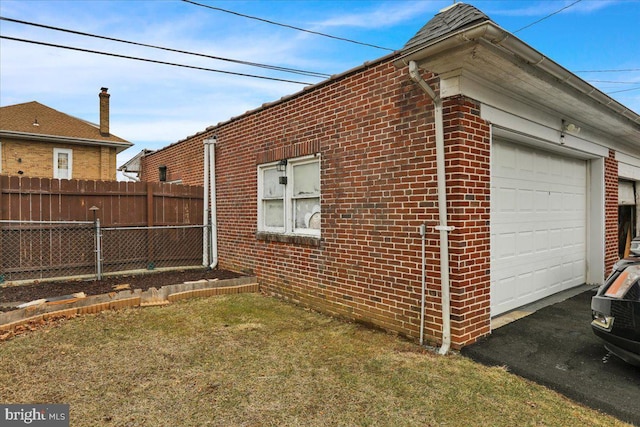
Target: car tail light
point(624, 282)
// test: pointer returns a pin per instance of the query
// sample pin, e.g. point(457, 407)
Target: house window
point(162, 173)
point(291, 205)
point(62, 163)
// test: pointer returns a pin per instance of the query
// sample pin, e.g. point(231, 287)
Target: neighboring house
point(38, 141)
point(132, 168)
point(322, 194)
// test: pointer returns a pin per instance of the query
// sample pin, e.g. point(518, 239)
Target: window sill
point(289, 238)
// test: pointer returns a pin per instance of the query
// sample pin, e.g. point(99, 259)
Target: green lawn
point(250, 360)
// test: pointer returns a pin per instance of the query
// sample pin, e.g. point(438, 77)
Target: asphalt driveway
point(555, 347)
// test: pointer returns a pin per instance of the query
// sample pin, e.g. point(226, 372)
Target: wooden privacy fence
point(128, 204)
point(47, 227)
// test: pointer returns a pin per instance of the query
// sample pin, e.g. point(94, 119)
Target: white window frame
point(0, 156)
point(289, 199)
point(56, 152)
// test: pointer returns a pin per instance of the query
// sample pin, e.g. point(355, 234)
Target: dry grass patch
point(248, 360)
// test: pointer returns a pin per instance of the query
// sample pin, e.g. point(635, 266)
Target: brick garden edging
point(11, 320)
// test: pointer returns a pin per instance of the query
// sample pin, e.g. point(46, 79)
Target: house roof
point(449, 28)
point(33, 120)
point(453, 18)
point(133, 164)
point(474, 55)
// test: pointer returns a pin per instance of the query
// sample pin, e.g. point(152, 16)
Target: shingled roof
point(33, 118)
point(448, 20)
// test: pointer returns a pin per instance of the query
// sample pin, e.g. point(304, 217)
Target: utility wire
point(548, 16)
point(253, 64)
point(585, 71)
point(624, 90)
point(152, 60)
point(613, 81)
point(608, 71)
point(288, 26)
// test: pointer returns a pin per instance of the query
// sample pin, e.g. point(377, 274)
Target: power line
point(608, 71)
point(548, 16)
point(613, 81)
point(253, 64)
point(152, 60)
point(624, 90)
point(288, 26)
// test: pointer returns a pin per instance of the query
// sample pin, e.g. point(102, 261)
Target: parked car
point(615, 309)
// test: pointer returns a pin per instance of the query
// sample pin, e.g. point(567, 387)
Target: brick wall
point(611, 211)
point(184, 161)
point(468, 149)
point(35, 159)
point(374, 132)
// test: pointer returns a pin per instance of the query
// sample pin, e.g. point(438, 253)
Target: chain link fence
point(134, 248)
point(48, 250)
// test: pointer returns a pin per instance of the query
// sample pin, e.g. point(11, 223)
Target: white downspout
point(213, 212)
point(442, 207)
point(205, 214)
point(131, 177)
point(423, 234)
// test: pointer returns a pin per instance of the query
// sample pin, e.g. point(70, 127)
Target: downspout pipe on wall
point(443, 228)
point(210, 187)
point(205, 213)
point(131, 177)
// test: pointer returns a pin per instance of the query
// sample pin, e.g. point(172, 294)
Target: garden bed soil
point(9, 295)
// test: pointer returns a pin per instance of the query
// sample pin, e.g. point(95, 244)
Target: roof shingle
point(50, 122)
point(448, 20)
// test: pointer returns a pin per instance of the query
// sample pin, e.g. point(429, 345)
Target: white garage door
point(538, 225)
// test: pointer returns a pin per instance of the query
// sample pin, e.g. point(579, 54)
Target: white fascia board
point(492, 98)
point(511, 126)
point(628, 167)
point(120, 146)
point(630, 160)
point(460, 82)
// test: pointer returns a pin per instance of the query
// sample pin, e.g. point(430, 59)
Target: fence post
point(3, 205)
point(98, 241)
point(150, 224)
point(2, 278)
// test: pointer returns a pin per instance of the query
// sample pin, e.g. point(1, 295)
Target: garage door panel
point(536, 261)
point(523, 259)
point(534, 237)
point(538, 224)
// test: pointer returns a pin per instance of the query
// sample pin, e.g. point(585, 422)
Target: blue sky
point(153, 105)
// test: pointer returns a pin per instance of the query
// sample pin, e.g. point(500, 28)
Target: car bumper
point(619, 346)
point(621, 329)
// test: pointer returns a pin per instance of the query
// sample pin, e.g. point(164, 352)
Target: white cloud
point(385, 15)
point(154, 105)
point(542, 8)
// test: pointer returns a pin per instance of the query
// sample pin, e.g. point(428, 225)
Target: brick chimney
point(104, 111)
